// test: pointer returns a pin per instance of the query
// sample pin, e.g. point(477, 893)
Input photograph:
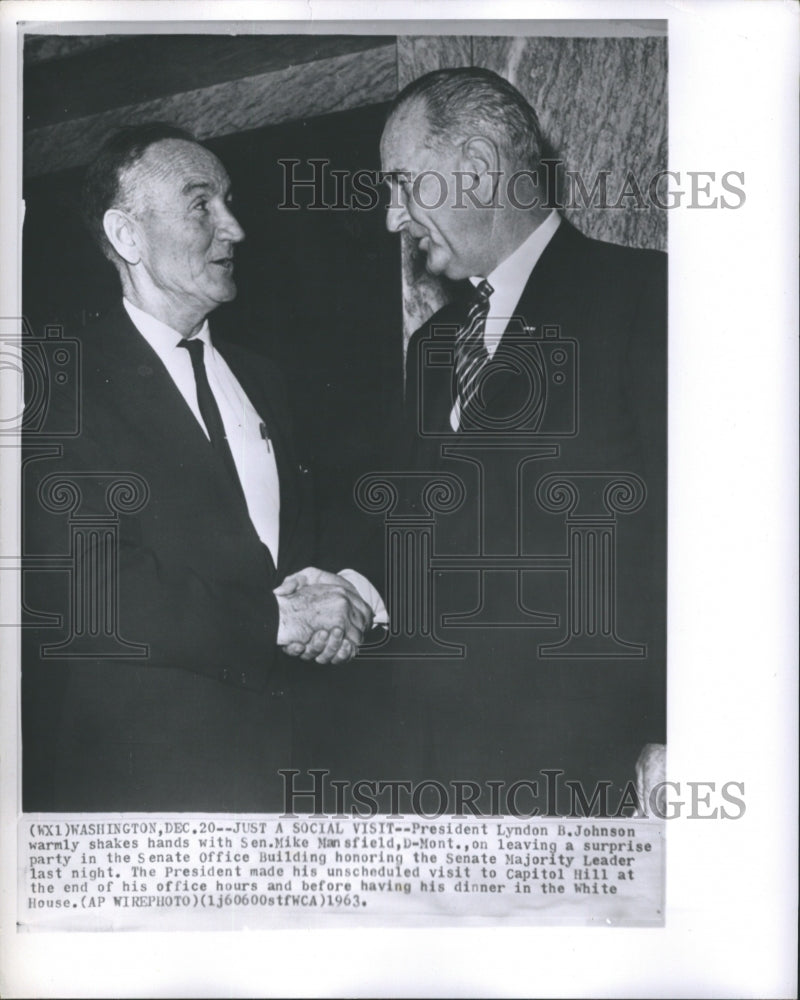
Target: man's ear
point(481, 158)
point(120, 231)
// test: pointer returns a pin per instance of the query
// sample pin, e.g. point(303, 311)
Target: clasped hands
point(322, 616)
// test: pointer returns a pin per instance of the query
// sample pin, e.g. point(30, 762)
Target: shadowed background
point(600, 89)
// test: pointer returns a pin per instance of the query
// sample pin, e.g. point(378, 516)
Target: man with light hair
point(549, 360)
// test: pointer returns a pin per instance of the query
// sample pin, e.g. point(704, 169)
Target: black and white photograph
point(503, 491)
point(363, 566)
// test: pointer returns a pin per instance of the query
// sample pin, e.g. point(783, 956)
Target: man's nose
point(396, 216)
point(228, 227)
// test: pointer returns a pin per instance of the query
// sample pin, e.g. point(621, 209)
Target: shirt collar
point(159, 336)
point(511, 274)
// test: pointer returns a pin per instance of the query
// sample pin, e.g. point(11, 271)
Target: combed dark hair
point(101, 186)
point(466, 101)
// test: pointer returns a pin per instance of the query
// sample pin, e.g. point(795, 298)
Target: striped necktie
point(471, 353)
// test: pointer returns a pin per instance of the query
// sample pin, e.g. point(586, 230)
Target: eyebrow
point(399, 174)
point(190, 187)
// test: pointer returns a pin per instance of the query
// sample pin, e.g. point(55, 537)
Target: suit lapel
point(433, 382)
point(551, 278)
point(136, 381)
point(139, 381)
point(536, 308)
point(134, 373)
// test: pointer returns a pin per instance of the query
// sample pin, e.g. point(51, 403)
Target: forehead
point(175, 167)
point(404, 140)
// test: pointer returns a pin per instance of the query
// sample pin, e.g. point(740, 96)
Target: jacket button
point(243, 677)
point(276, 694)
point(225, 674)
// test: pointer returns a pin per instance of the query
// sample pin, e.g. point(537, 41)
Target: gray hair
point(459, 103)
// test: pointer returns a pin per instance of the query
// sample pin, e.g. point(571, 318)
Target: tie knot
point(194, 346)
point(483, 292)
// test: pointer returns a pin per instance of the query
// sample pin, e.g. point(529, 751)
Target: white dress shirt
point(252, 452)
point(253, 455)
point(508, 280)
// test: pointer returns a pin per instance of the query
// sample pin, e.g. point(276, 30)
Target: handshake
point(323, 617)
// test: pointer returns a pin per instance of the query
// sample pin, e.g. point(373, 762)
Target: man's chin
point(227, 293)
point(445, 272)
point(434, 266)
point(443, 266)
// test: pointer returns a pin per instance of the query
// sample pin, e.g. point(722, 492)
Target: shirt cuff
point(369, 595)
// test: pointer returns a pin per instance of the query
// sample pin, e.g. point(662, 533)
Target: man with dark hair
point(167, 686)
point(541, 385)
point(102, 184)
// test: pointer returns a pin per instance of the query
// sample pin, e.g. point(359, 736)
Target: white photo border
point(731, 887)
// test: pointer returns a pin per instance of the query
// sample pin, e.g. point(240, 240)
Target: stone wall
point(602, 104)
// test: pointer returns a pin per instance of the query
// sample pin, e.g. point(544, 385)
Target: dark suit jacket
point(203, 719)
point(506, 711)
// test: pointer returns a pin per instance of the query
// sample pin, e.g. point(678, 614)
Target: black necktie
point(471, 353)
point(212, 418)
point(209, 410)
